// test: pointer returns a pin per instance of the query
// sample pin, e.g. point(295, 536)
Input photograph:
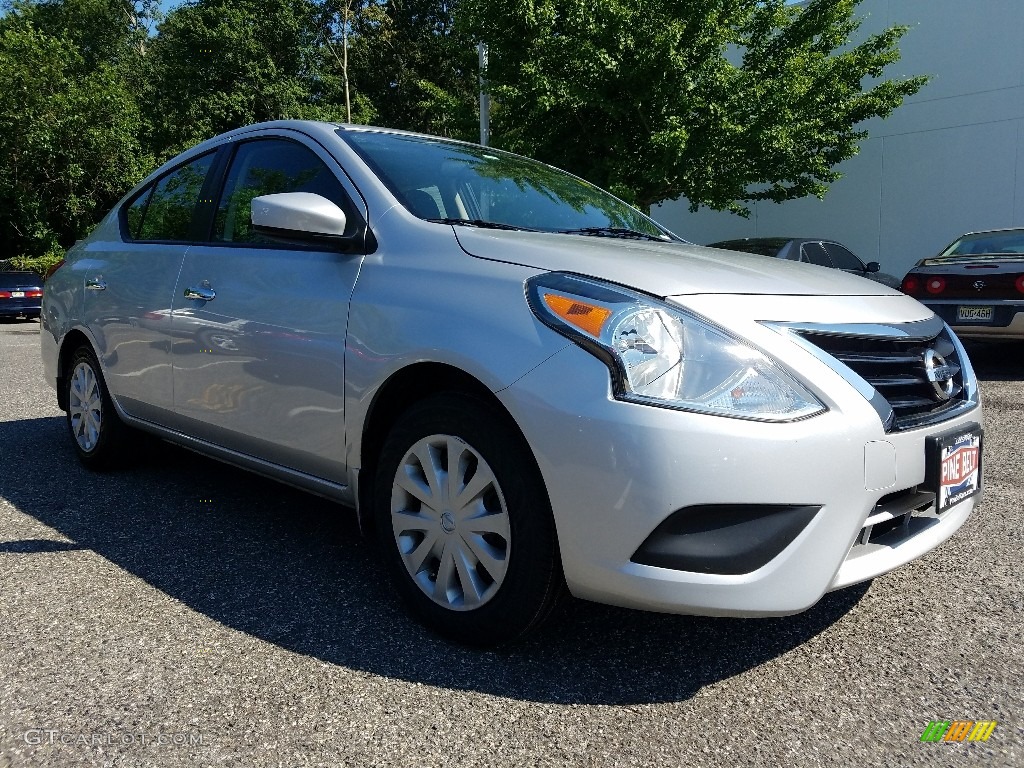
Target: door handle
point(201, 292)
point(95, 284)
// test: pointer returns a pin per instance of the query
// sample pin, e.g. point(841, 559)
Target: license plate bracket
point(953, 465)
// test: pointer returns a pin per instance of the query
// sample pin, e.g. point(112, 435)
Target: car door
point(260, 368)
point(129, 289)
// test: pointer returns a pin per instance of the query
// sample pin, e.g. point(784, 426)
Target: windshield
point(986, 243)
point(447, 181)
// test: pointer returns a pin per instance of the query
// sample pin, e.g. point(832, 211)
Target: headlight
point(661, 355)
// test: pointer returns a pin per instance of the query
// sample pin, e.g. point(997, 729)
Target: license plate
point(17, 294)
point(954, 466)
point(974, 313)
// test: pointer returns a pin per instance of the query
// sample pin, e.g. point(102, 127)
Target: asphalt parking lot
point(184, 613)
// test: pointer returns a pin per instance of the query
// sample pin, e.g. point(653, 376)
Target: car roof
point(315, 127)
point(778, 241)
point(991, 231)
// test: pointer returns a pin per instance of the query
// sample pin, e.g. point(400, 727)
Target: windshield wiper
point(624, 232)
point(480, 223)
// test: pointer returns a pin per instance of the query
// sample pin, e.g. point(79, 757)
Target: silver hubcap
point(85, 406)
point(450, 522)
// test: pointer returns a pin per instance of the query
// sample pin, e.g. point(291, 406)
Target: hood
point(664, 269)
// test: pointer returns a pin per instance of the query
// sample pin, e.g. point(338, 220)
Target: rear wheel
point(465, 523)
point(97, 431)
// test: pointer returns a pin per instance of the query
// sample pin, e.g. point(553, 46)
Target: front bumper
point(615, 471)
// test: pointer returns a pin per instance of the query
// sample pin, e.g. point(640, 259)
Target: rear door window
point(266, 167)
point(843, 257)
point(815, 254)
point(164, 212)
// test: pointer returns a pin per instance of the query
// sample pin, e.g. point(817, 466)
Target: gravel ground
point(184, 613)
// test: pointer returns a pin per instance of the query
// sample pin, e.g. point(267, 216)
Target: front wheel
point(97, 431)
point(465, 523)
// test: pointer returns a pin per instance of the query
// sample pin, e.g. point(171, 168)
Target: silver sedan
point(520, 383)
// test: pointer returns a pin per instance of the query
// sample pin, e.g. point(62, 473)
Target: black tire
point(98, 434)
point(524, 594)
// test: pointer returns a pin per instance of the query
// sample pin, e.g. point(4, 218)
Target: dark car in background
point(976, 284)
point(21, 294)
point(824, 253)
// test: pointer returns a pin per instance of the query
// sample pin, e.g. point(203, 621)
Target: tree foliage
point(222, 64)
point(69, 143)
point(102, 31)
point(723, 101)
point(417, 67)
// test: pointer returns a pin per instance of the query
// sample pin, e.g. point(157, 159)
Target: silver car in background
point(519, 382)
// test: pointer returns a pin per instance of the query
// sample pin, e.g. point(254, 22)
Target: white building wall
point(950, 160)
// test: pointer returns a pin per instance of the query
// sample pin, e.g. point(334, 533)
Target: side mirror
point(872, 266)
point(298, 216)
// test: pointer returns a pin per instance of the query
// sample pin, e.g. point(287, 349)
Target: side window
point(266, 167)
point(167, 211)
point(136, 212)
point(843, 258)
point(815, 254)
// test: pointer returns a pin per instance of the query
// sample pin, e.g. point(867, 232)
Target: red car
point(21, 294)
point(976, 284)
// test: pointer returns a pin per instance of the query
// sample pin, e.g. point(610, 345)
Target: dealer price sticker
point(955, 466)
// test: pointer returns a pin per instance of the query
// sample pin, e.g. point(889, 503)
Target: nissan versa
point(520, 382)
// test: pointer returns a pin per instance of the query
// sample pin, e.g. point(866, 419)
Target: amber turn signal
point(586, 317)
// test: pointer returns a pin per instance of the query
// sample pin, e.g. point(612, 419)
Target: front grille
point(921, 379)
point(896, 518)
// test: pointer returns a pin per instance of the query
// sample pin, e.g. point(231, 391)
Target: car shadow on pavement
point(291, 569)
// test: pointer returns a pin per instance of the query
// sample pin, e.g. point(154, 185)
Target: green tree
point(102, 31)
point(337, 23)
point(723, 101)
point(68, 140)
point(416, 66)
point(222, 64)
